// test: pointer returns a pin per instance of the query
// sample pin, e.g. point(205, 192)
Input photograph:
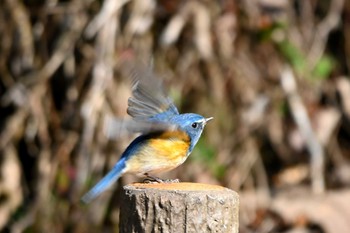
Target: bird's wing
point(116, 127)
point(149, 99)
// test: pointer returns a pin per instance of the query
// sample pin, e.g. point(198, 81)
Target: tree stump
point(178, 207)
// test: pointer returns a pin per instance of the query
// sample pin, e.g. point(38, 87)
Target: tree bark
point(178, 207)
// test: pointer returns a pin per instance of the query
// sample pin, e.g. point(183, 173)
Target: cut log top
point(178, 207)
point(177, 186)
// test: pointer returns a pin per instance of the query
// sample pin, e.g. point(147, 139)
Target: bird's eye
point(194, 125)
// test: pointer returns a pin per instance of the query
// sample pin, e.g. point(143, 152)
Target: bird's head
point(192, 124)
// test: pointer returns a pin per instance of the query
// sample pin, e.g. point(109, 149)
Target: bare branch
point(304, 124)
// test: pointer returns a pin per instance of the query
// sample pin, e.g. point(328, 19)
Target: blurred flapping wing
point(116, 128)
point(149, 100)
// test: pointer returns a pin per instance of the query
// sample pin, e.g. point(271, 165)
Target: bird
point(166, 137)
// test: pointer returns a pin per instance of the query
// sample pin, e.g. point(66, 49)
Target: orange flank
point(173, 144)
point(162, 153)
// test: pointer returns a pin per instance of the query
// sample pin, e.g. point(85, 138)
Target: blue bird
point(167, 137)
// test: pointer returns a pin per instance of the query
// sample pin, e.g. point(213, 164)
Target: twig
point(201, 24)
point(95, 101)
point(322, 31)
point(303, 122)
point(109, 9)
point(63, 50)
point(22, 23)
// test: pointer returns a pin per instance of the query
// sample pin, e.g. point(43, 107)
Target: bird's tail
point(106, 182)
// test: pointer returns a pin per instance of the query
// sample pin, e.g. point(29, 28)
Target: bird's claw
point(153, 179)
point(169, 181)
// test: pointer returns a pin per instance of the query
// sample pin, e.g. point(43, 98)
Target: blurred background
point(274, 74)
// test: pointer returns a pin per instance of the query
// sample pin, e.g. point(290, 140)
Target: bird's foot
point(149, 180)
point(153, 179)
point(169, 181)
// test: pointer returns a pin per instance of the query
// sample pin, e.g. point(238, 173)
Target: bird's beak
point(208, 119)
